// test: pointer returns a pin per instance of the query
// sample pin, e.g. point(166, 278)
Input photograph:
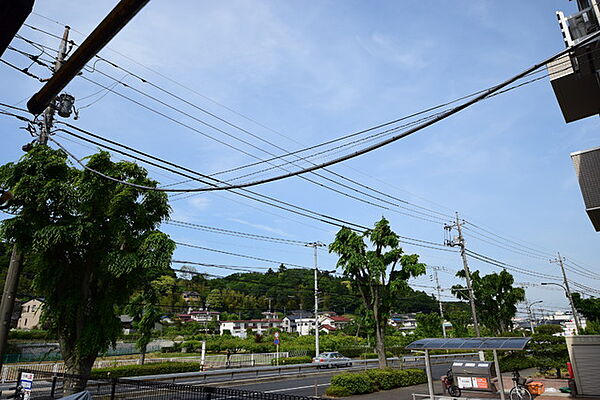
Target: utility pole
point(461, 242)
point(560, 260)
point(13, 275)
point(315, 245)
point(439, 293)
point(49, 111)
point(8, 298)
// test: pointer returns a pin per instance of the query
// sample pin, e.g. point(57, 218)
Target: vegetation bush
point(146, 369)
point(191, 346)
point(383, 379)
point(516, 361)
point(355, 383)
point(338, 391)
point(292, 360)
point(372, 380)
point(33, 334)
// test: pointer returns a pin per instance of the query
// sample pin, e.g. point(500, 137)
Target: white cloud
point(260, 226)
point(199, 203)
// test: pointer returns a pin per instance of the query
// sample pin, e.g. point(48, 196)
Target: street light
point(531, 315)
point(568, 294)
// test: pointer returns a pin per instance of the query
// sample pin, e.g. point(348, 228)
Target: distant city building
point(31, 312)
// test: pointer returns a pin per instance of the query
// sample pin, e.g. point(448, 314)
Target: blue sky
point(312, 71)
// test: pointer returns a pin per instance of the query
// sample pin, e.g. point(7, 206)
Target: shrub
point(292, 360)
point(146, 369)
point(337, 391)
point(192, 346)
point(410, 377)
point(516, 362)
point(383, 379)
point(33, 334)
point(355, 383)
point(348, 383)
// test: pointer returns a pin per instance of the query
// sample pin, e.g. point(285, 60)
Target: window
point(25, 324)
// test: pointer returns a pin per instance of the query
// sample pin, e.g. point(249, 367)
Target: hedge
point(33, 334)
point(146, 369)
point(292, 360)
point(350, 383)
point(516, 362)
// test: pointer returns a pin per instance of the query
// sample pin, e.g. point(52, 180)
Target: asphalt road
point(306, 385)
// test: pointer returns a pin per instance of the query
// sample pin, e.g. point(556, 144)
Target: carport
point(479, 344)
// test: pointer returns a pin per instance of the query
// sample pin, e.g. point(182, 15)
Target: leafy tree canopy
point(495, 298)
point(378, 272)
point(90, 242)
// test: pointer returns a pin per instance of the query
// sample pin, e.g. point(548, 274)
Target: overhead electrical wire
point(436, 244)
point(394, 138)
point(336, 182)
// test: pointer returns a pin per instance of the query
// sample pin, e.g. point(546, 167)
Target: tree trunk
point(380, 344)
point(143, 355)
point(80, 367)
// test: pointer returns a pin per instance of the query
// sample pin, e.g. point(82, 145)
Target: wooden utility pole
point(8, 298)
point(460, 241)
point(16, 261)
point(559, 261)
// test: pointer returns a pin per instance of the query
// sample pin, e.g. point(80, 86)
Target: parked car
point(331, 359)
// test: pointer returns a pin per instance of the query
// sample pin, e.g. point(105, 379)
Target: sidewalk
point(406, 393)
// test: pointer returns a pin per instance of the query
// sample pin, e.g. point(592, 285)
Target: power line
point(236, 233)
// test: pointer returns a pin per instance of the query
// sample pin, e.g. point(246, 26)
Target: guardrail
point(273, 371)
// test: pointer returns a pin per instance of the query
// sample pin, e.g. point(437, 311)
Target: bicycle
point(519, 390)
point(448, 382)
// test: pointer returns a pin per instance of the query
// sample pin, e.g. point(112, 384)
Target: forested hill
point(293, 289)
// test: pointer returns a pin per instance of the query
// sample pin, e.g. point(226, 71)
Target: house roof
point(340, 319)
point(295, 317)
point(328, 327)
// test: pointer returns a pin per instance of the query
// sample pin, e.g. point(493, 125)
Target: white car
point(331, 359)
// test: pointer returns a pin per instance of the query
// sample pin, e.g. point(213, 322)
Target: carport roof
point(489, 343)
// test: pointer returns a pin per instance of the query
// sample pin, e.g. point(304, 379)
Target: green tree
point(379, 275)
point(429, 325)
point(214, 300)
point(90, 242)
point(495, 298)
point(145, 311)
point(460, 321)
point(549, 351)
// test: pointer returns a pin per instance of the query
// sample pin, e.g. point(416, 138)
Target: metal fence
point(10, 372)
point(50, 386)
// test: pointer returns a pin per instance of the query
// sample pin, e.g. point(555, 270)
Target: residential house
point(407, 323)
point(31, 312)
point(334, 321)
point(305, 326)
point(289, 322)
point(191, 296)
point(240, 328)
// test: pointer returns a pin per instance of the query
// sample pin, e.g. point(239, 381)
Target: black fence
point(47, 385)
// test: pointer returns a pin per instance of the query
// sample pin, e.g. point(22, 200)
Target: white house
point(334, 321)
point(31, 312)
point(305, 326)
point(240, 328)
point(289, 322)
point(406, 323)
